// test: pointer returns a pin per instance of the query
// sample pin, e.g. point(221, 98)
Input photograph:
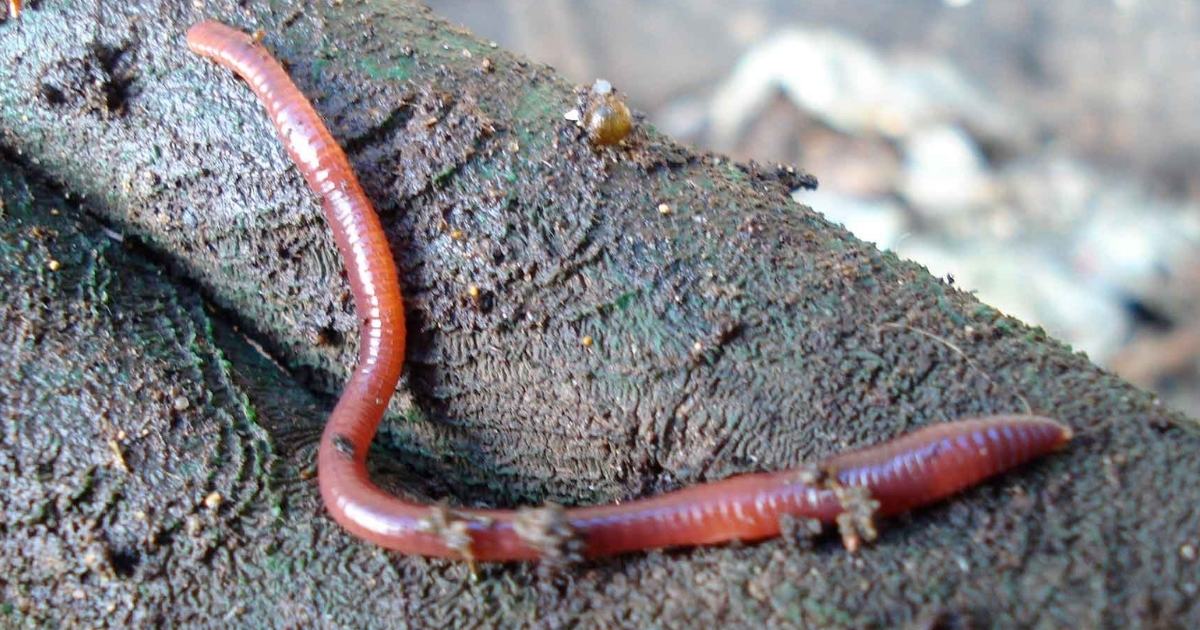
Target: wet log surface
point(176, 324)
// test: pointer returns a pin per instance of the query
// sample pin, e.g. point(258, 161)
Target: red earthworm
point(914, 470)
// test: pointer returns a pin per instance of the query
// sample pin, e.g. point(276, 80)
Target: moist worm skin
point(914, 470)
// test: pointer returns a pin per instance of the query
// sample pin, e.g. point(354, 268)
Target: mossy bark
point(196, 326)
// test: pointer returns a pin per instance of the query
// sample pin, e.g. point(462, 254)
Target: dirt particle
point(456, 234)
point(213, 500)
point(343, 445)
point(944, 620)
point(54, 265)
point(486, 65)
point(607, 118)
point(809, 474)
point(326, 336)
point(101, 82)
point(180, 403)
point(483, 301)
point(452, 528)
point(1188, 552)
point(548, 531)
point(799, 533)
point(857, 523)
point(664, 209)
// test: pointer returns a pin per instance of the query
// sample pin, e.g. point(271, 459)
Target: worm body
point(914, 470)
point(14, 9)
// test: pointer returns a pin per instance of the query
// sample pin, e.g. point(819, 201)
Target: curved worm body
point(914, 470)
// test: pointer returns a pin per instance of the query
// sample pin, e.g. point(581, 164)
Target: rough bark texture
point(740, 331)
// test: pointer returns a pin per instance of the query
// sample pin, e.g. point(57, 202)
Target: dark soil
point(739, 331)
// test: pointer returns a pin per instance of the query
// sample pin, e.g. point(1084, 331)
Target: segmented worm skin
point(914, 470)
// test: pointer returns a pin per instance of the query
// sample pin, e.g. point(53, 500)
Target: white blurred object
point(848, 86)
point(1032, 284)
point(1052, 191)
point(877, 221)
point(1133, 243)
point(1112, 233)
point(834, 77)
point(1069, 246)
point(944, 172)
point(931, 91)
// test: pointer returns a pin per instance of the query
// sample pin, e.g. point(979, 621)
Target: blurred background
point(1042, 154)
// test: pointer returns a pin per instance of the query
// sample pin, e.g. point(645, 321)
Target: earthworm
point(914, 470)
point(14, 9)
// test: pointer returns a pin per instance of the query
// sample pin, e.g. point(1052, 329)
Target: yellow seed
point(456, 234)
point(473, 291)
point(587, 341)
point(54, 265)
point(664, 208)
point(607, 119)
point(213, 500)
